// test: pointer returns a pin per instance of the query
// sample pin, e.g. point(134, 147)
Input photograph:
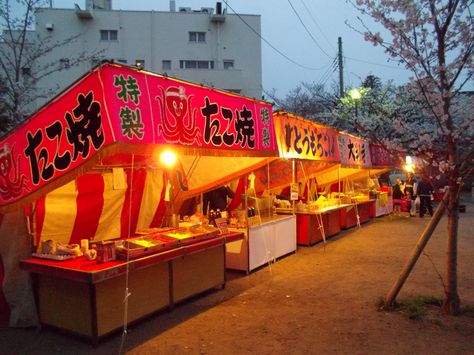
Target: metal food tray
point(159, 242)
point(199, 234)
point(150, 244)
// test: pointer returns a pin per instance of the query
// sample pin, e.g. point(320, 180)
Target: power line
point(324, 78)
point(327, 74)
point(307, 30)
point(347, 73)
point(380, 65)
point(268, 43)
point(317, 26)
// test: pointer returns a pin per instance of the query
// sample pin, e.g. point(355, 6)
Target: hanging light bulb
point(168, 158)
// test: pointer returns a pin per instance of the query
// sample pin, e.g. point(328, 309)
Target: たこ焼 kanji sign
point(153, 109)
point(114, 105)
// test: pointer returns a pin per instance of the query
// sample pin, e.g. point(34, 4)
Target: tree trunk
point(451, 304)
point(409, 265)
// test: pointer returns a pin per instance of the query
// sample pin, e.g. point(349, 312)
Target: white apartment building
point(206, 46)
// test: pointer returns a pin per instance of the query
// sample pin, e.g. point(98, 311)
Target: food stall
point(267, 236)
point(84, 173)
point(360, 185)
point(311, 149)
point(355, 165)
point(382, 162)
point(339, 180)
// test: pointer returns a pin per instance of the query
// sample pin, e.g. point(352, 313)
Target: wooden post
point(426, 235)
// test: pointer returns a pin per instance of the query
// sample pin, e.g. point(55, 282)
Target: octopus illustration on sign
point(175, 108)
point(12, 183)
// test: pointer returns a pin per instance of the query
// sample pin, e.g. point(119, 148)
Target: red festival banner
point(148, 108)
point(116, 104)
point(380, 157)
point(57, 139)
point(354, 151)
point(303, 139)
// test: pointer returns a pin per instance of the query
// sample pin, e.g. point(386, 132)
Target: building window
point(108, 35)
point(188, 64)
point(196, 64)
point(64, 63)
point(140, 63)
point(228, 64)
point(166, 64)
point(122, 61)
point(197, 37)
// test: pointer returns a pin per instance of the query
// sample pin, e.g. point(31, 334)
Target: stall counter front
point(274, 237)
point(358, 212)
point(86, 298)
point(383, 205)
point(311, 224)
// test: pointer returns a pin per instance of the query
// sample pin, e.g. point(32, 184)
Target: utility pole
point(341, 76)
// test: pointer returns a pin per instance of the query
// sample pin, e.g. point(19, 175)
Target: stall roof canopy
point(305, 139)
point(120, 110)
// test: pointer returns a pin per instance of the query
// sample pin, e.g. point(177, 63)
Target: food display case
point(267, 236)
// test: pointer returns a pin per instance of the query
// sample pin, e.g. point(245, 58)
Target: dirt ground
point(319, 300)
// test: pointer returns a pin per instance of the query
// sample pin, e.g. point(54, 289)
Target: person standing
point(397, 195)
point(410, 194)
point(217, 199)
point(425, 190)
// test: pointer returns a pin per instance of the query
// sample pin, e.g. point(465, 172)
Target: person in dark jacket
point(410, 194)
point(425, 191)
point(217, 199)
point(397, 195)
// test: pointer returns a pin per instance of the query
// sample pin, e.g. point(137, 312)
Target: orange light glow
point(168, 158)
point(409, 164)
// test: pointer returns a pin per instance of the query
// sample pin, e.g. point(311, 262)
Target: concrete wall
point(154, 37)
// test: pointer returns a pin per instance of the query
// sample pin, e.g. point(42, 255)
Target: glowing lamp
point(168, 158)
point(355, 94)
point(409, 165)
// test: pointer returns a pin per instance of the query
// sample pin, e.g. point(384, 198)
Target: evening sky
point(302, 37)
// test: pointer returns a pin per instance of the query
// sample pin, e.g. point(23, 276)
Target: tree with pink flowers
point(434, 40)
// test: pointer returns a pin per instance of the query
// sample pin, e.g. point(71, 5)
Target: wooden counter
point(86, 298)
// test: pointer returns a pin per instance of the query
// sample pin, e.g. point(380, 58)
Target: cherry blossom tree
point(434, 39)
point(307, 99)
point(21, 68)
